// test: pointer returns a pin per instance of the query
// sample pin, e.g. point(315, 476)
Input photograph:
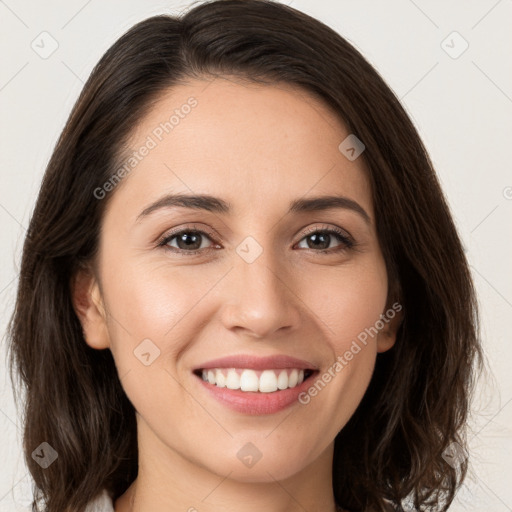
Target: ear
point(392, 319)
point(89, 307)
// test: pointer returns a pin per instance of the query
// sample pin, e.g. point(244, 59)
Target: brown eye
point(190, 241)
point(322, 239)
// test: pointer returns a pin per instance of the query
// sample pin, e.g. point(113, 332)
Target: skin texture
point(258, 147)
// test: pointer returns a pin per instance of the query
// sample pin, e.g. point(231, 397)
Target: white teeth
point(232, 379)
point(266, 381)
point(282, 380)
point(220, 379)
point(249, 381)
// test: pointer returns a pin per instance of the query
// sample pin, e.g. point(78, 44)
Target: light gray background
point(461, 106)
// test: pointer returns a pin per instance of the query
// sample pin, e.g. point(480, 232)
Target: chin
point(279, 468)
point(259, 462)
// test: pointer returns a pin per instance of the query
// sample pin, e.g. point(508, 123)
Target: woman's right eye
point(186, 241)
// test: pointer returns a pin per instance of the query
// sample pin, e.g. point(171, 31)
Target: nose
point(260, 300)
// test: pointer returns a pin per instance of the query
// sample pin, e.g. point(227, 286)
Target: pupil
point(324, 244)
point(186, 239)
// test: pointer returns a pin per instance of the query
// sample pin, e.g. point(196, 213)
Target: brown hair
point(419, 396)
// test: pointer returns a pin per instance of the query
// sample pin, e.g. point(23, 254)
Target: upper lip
point(257, 362)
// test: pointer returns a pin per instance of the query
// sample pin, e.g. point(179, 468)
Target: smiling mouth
point(249, 380)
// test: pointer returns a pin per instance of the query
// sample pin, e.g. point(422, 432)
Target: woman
point(241, 287)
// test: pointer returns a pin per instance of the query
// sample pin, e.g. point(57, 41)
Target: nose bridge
point(260, 301)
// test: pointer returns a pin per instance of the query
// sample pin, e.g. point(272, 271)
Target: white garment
point(102, 503)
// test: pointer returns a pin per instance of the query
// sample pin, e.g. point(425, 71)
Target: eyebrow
point(217, 205)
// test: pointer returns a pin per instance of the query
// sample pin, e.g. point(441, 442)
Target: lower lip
point(256, 403)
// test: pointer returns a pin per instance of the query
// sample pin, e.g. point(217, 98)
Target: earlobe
point(88, 306)
point(386, 338)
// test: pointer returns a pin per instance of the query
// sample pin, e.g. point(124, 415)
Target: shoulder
point(102, 503)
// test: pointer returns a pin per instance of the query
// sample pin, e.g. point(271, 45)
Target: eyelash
point(347, 243)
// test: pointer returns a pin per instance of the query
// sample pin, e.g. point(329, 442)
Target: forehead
point(251, 144)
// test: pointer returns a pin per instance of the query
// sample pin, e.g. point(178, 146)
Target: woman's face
point(264, 279)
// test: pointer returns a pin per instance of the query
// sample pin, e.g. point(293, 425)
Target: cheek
point(152, 313)
point(348, 300)
point(153, 300)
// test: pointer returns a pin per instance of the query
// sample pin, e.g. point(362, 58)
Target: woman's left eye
point(192, 241)
point(321, 239)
